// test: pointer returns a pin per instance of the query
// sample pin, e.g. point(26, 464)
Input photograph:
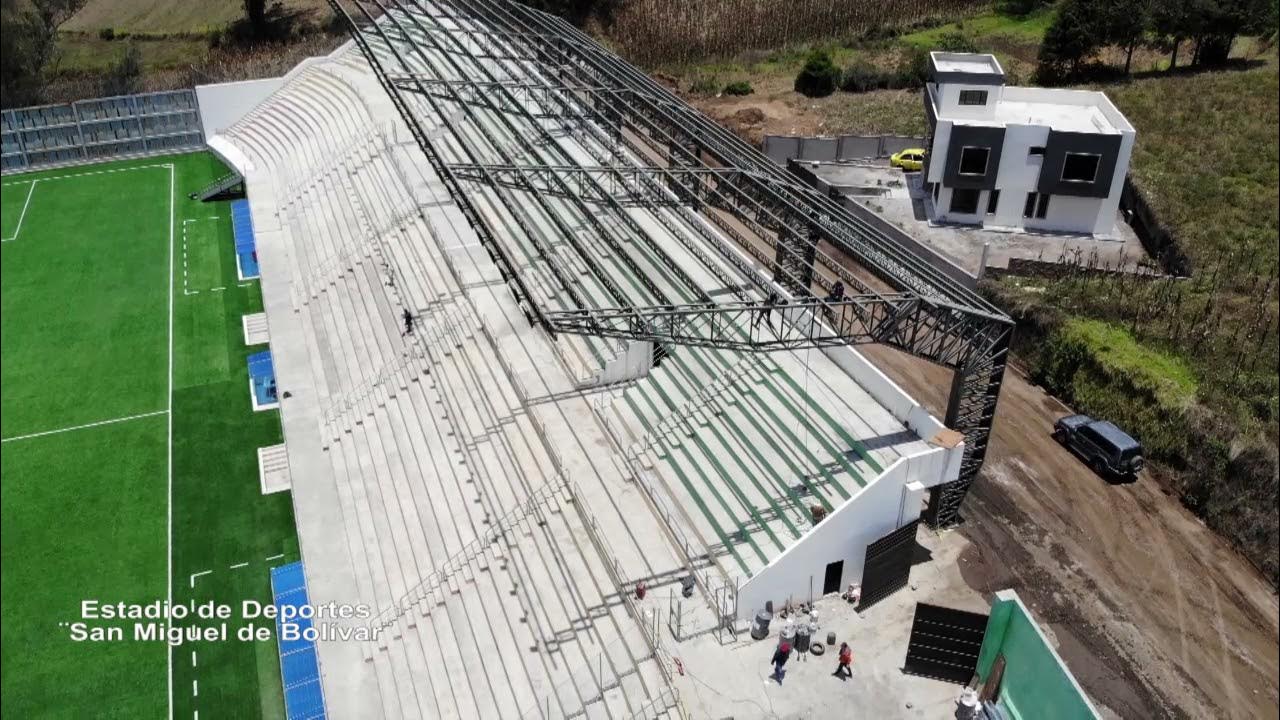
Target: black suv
point(1106, 448)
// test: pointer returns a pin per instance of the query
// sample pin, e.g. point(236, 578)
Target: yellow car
point(911, 159)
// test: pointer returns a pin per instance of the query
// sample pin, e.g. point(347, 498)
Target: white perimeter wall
point(887, 503)
point(222, 105)
point(893, 499)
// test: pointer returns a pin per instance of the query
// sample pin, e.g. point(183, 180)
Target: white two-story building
point(1020, 158)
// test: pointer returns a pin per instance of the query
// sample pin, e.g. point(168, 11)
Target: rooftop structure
point(1021, 673)
point(1020, 157)
point(518, 321)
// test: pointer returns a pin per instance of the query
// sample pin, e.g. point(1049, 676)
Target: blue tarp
point(246, 247)
point(299, 671)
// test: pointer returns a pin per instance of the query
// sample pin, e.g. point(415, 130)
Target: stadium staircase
point(227, 187)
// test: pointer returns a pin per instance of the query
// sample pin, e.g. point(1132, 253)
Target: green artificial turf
point(86, 338)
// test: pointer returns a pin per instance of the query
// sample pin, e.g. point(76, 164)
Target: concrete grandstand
point(583, 404)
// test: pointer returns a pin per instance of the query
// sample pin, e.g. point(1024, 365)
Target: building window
point(1037, 206)
point(936, 188)
point(993, 201)
point(1037, 150)
point(964, 201)
point(1080, 167)
point(973, 160)
point(973, 97)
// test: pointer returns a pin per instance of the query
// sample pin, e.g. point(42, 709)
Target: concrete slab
point(897, 197)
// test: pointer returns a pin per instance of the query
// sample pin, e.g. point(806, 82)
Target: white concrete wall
point(888, 502)
point(1067, 213)
point(1106, 221)
point(949, 101)
point(1019, 174)
point(222, 105)
point(938, 153)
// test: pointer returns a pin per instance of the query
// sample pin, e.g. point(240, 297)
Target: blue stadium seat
point(299, 670)
point(246, 246)
point(262, 376)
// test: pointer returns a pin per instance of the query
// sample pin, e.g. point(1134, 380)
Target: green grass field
point(129, 442)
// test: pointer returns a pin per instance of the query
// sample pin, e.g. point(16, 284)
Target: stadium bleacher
point(460, 480)
point(299, 671)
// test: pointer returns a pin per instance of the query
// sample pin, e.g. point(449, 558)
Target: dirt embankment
point(1155, 614)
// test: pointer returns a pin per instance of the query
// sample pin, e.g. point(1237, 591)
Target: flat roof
point(1059, 116)
point(966, 63)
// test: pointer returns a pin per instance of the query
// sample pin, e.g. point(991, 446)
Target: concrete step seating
point(513, 611)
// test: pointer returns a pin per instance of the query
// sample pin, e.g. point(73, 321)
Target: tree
point(28, 43)
point(1171, 25)
point(819, 76)
point(255, 11)
point(1075, 34)
point(1126, 23)
point(1021, 8)
point(125, 75)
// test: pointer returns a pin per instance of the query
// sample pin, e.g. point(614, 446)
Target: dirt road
point(1153, 612)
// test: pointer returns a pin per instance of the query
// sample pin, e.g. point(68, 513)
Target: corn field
point(653, 32)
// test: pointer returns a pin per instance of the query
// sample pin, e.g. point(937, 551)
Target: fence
point(781, 148)
point(92, 130)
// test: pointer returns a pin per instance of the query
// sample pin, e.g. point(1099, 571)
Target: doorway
point(831, 583)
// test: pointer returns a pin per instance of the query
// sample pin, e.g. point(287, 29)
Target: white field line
point(112, 421)
point(173, 209)
point(87, 174)
point(30, 191)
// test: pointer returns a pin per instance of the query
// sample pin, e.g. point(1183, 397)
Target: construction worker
point(763, 313)
point(780, 657)
point(837, 292)
point(844, 669)
point(408, 322)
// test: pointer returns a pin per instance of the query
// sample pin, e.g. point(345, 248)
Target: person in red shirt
point(843, 670)
point(780, 657)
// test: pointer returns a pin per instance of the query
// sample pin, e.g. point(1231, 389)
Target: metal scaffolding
point(550, 144)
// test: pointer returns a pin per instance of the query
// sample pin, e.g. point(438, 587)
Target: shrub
point(913, 70)
point(740, 87)
point(862, 76)
point(124, 77)
point(954, 41)
point(818, 77)
point(107, 33)
point(705, 85)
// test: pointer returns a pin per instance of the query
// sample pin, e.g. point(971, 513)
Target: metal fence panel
point(859, 146)
point(781, 148)
point(890, 144)
point(824, 149)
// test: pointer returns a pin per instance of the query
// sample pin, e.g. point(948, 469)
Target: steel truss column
point(971, 409)
point(551, 71)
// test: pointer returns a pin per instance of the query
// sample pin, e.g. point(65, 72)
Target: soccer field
point(129, 470)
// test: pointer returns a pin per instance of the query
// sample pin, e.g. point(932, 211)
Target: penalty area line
point(85, 426)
